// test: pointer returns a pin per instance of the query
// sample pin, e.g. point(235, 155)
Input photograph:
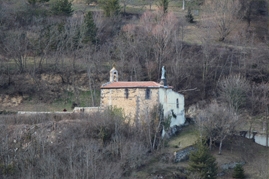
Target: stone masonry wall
point(135, 105)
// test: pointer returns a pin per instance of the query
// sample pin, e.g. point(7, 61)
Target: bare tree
point(256, 101)
point(232, 90)
point(224, 15)
point(16, 47)
point(217, 122)
point(162, 30)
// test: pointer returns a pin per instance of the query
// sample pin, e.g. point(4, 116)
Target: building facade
point(138, 98)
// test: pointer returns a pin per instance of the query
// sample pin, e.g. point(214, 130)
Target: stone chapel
point(137, 98)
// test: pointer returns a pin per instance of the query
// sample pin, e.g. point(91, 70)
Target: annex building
point(138, 98)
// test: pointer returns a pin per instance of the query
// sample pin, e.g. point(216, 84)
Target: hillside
point(41, 66)
point(80, 146)
point(55, 55)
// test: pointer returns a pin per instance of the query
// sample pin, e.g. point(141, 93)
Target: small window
point(126, 93)
point(177, 103)
point(147, 96)
point(115, 77)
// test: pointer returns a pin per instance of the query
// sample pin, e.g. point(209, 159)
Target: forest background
point(58, 52)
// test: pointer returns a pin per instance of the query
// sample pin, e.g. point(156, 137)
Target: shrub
point(202, 162)
point(90, 28)
point(238, 171)
point(189, 16)
point(62, 7)
point(110, 7)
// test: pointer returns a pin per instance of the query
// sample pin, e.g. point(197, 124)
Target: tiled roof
point(134, 84)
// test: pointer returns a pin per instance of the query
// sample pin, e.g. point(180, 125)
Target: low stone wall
point(183, 154)
point(42, 112)
point(231, 165)
point(86, 109)
point(257, 137)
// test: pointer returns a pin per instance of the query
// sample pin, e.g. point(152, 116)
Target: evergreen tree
point(238, 172)
point(33, 2)
point(110, 7)
point(189, 16)
point(62, 7)
point(202, 162)
point(90, 28)
point(164, 4)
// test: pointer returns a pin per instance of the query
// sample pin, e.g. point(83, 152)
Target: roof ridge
point(135, 81)
point(134, 84)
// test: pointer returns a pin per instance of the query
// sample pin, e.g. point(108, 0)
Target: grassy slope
point(237, 150)
point(162, 163)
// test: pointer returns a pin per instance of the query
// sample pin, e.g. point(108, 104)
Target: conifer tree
point(202, 162)
point(34, 2)
point(110, 7)
point(90, 28)
point(62, 7)
point(189, 16)
point(164, 5)
point(238, 172)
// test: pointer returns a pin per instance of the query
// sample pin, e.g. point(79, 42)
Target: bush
point(62, 7)
point(238, 171)
point(164, 5)
point(202, 162)
point(189, 16)
point(110, 7)
point(90, 28)
point(7, 170)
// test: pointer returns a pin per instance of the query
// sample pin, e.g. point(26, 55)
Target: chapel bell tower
point(113, 74)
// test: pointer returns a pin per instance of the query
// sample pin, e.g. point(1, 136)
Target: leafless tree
point(256, 101)
point(217, 122)
point(224, 15)
point(162, 30)
point(232, 90)
point(16, 47)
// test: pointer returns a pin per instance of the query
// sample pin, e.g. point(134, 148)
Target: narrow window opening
point(126, 93)
point(177, 103)
point(115, 77)
point(147, 93)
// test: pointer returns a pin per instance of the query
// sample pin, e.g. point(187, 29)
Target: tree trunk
point(90, 84)
point(220, 147)
point(124, 5)
point(210, 143)
point(249, 131)
point(155, 136)
point(267, 125)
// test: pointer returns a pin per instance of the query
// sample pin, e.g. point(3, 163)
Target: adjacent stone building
point(138, 98)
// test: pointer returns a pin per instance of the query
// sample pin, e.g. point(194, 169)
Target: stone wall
point(135, 106)
point(259, 138)
point(183, 154)
point(85, 109)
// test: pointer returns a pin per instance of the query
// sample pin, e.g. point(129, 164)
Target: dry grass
point(237, 149)
point(186, 138)
point(241, 149)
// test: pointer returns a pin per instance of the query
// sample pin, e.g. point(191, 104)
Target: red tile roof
point(133, 84)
